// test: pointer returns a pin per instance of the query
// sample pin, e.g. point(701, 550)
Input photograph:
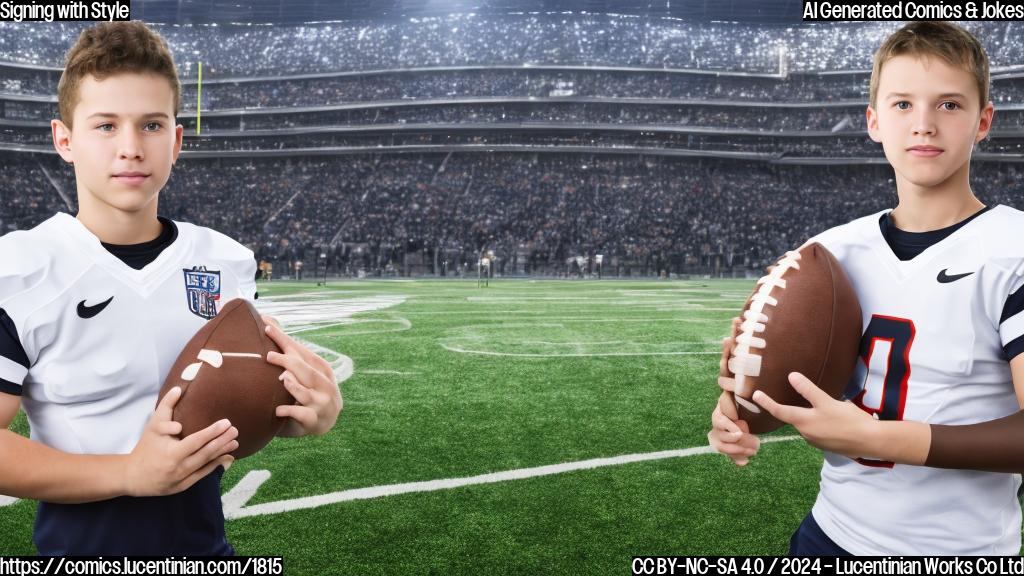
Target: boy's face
point(124, 141)
point(927, 116)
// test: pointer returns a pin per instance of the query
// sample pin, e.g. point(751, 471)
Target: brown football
point(803, 316)
point(223, 373)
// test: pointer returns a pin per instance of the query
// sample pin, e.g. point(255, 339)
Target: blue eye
point(903, 105)
point(950, 106)
point(105, 127)
point(152, 127)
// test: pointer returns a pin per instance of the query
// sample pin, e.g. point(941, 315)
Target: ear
point(872, 119)
point(985, 122)
point(179, 132)
point(62, 140)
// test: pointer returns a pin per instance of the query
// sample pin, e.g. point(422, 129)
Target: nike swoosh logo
point(90, 311)
point(946, 279)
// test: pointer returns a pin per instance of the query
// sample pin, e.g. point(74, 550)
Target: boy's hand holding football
point(729, 435)
point(310, 379)
point(161, 464)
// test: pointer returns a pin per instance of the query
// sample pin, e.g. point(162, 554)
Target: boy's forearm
point(38, 472)
point(903, 442)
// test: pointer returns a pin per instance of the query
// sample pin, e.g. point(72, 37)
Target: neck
point(114, 226)
point(923, 209)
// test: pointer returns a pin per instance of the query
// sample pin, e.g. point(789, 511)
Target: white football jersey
point(100, 336)
point(937, 331)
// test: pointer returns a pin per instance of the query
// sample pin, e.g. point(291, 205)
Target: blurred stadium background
point(399, 138)
point(395, 139)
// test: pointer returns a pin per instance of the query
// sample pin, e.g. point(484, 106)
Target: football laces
point(214, 358)
point(744, 361)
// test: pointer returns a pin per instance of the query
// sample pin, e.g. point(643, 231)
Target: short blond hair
point(956, 46)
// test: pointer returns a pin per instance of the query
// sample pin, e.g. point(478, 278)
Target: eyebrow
point(906, 95)
point(112, 115)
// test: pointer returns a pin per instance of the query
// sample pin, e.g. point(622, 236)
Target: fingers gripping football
point(729, 435)
point(161, 464)
point(829, 424)
point(310, 380)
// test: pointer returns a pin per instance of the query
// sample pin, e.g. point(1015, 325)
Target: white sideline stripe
point(234, 501)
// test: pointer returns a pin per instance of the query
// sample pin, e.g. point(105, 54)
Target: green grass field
point(453, 381)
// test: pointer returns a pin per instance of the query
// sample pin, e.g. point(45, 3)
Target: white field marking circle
point(292, 313)
point(296, 313)
point(234, 500)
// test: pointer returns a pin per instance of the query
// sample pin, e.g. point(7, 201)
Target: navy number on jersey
point(885, 353)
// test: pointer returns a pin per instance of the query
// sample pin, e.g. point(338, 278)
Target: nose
point(924, 123)
point(130, 145)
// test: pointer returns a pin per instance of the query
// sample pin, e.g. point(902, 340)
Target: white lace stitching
point(744, 361)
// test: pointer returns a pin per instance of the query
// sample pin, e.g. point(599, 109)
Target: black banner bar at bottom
point(136, 565)
point(809, 565)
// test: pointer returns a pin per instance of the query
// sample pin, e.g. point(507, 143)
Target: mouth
point(925, 151)
point(130, 177)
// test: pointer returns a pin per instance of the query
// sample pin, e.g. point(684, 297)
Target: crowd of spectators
point(504, 82)
point(434, 212)
point(554, 112)
point(528, 83)
point(451, 84)
point(27, 194)
point(470, 39)
point(842, 145)
point(854, 145)
point(369, 212)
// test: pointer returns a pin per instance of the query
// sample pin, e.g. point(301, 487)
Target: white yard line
point(234, 501)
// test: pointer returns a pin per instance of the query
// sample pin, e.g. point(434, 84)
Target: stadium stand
point(668, 147)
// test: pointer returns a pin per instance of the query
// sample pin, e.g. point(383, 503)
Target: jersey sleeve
point(1011, 315)
point(13, 360)
point(247, 277)
point(24, 287)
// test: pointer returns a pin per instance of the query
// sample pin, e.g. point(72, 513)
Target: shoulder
point(29, 259)
point(1001, 229)
point(998, 236)
point(214, 243)
point(219, 248)
point(845, 236)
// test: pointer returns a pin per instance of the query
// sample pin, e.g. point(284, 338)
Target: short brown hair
point(956, 46)
point(112, 48)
